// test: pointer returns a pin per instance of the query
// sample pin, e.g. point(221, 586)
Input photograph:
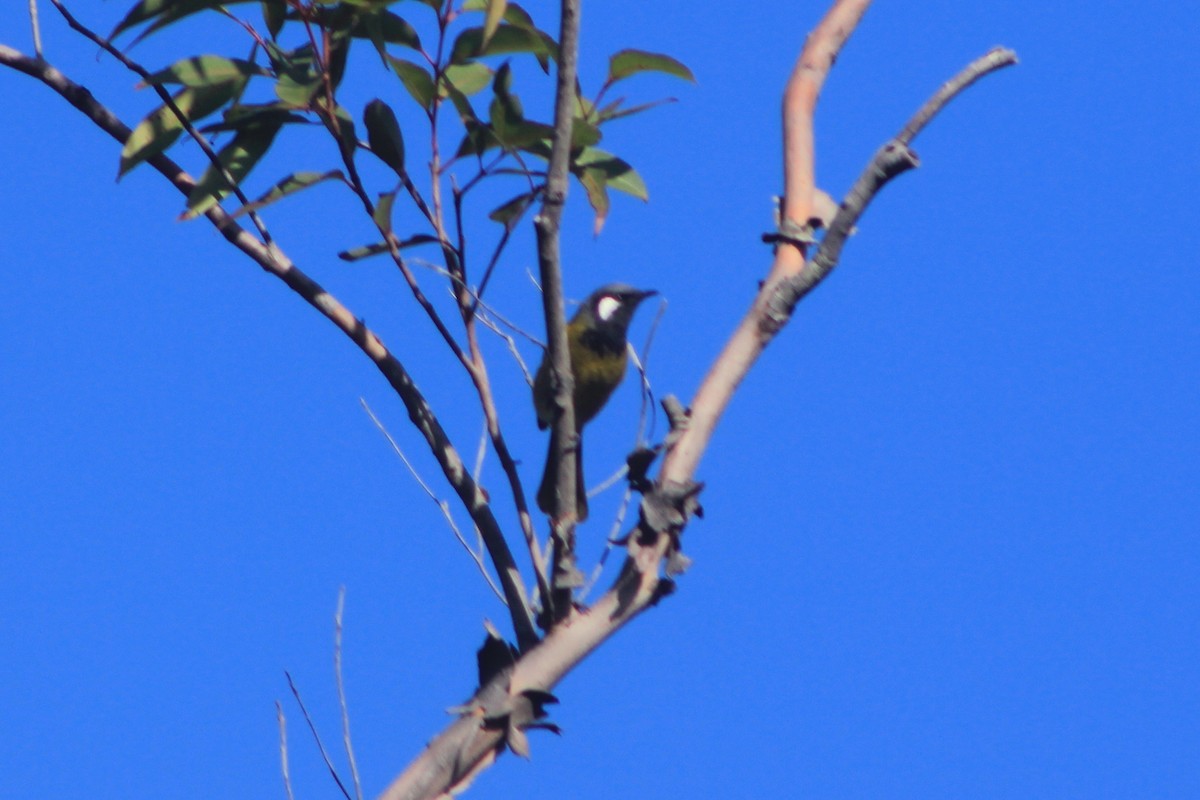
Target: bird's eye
point(606, 306)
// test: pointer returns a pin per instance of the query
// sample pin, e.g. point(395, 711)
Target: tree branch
point(547, 224)
point(468, 746)
point(272, 259)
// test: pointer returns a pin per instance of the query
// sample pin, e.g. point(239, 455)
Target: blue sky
point(950, 545)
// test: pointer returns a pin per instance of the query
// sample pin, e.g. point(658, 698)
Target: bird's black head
point(610, 308)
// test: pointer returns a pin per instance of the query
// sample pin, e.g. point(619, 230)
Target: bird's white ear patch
point(606, 306)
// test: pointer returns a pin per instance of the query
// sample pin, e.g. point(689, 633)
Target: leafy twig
point(169, 102)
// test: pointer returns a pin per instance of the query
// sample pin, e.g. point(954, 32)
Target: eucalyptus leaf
point(162, 127)
point(205, 71)
point(507, 39)
point(495, 13)
point(379, 248)
point(274, 15)
point(238, 158)
point(296, 182)
point(468, 78)
point(508, 214)
point(617, 172)
point(624, 63)
point(383, 134)
point(383, 211)
point(163, 13)
point(594, 184)
point(416, 80)
point(386, 27)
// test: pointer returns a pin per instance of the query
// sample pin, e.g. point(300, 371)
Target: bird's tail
point(546, 491)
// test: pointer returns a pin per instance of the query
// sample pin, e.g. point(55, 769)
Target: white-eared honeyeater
point(596, 340)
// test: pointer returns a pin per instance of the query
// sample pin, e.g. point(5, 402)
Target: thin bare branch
point(441, 504)
point(994, 59)
point(491, 325)
point(317, 737)
point(37, 28)
point(283, 751)
point(341, 691)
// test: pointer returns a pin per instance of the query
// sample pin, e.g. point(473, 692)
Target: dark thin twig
point(317, 737)
point(491, 325)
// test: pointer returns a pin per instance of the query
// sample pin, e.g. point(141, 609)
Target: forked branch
point(470, 744)
point(272, 259)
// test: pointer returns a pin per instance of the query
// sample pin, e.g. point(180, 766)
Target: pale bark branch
point(467, 746)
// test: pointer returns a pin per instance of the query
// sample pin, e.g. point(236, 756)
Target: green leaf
point(383, 134)
point(624, 63)
point(507, 39)
point(237, 117)
point(164, 12)
point(238, 158)
point(513, 14)
point(416, 80)
point(162, 127)
point(383, 211)
point(297, 94)
point(338, 53)
point(205, 71)
point(461, 104)
point(274, 15)
point(347, 138)
point(617, 172)
point(495, 12)
point(583, 134)
point(467, 78)
point(614, 111)
point(379, 248)
point(511, 212)
point(296, 182)
point(594, 184)
point(299, 75)
point(477, 141)
point(385, 27)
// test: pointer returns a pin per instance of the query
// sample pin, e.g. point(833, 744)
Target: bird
point(596, 341)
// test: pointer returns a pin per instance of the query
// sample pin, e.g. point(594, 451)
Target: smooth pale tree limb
point(748, 341)
point(470, 744)
point(273, 260)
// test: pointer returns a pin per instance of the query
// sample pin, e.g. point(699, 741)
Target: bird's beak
point(648, 293)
